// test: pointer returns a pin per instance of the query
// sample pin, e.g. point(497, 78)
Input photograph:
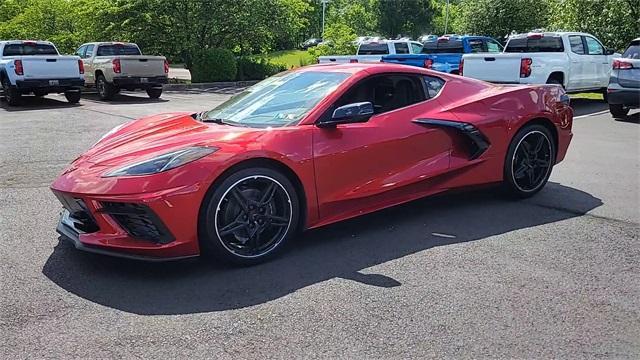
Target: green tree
point(405, 17)
point(614, 22)
point(339, 40)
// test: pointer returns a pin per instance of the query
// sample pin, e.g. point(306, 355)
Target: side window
point(386, 92)
point(577, 46)
point(493, 46)
point(89, 52)
point(433, 85)
point(401, 48)
point(476, 46)
point(416, 48)
point(594, 46)
point(81, 50)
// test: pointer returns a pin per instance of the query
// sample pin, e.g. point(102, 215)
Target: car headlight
point(163, 162)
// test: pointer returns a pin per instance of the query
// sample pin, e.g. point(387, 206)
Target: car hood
point(151, 136)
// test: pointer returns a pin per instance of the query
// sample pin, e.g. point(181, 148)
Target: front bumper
point(140, 81)
point(624, 96)
point(152, 226)
point(52, 85)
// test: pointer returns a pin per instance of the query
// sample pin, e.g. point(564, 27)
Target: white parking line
point(592, 114)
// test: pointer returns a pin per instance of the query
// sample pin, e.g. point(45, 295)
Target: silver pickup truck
point(112, 66)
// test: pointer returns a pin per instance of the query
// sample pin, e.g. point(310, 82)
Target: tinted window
point(81, 50)
point(385, 92)
point(476, 46)
point(373, 49)
point(118, 49)
point(433, 85)
point(594, 46)
point(280, 100)
point(401, 48)
point(416, 48)
point(29, 49)
point(633, 51)
point(493, 46)
point(576, 44)
point(435, 47)
point(543, 44)
point(89, 52)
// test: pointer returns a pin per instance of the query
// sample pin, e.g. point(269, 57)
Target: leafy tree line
point(181, 29)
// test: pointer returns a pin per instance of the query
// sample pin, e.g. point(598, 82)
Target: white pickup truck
point(37, 67)
point(373, 51)
point(112, 66)
point(577, 61)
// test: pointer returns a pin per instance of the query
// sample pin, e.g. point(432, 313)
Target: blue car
point(444, 53)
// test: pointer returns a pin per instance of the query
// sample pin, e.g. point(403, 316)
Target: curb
point(204, 86)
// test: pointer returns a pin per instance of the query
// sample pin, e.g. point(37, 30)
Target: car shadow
point(631, 118)
point(28, 103)
point(341, 250)
point(123, 98)
point(583, 106)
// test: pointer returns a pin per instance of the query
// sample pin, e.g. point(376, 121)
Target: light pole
point(446, 18)
point(324, 6)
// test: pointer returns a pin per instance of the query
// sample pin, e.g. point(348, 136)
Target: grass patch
point(290, 58)
point(590, 96)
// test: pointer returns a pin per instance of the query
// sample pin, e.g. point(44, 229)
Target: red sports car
point(303, 149)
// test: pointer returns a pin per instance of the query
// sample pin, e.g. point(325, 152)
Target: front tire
point(154, 93)
point(249, 216)
point(618, 111)
point(72, 96)
point(529, 161)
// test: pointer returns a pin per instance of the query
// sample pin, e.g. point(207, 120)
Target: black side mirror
point(350, 113)
point(609, 51)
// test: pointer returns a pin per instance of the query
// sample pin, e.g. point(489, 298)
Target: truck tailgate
point(50, 67)
point(141, 65)
point(501, 68)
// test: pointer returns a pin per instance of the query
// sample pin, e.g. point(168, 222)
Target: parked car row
point(36, 67)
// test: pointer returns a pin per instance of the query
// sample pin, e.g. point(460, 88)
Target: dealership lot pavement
point(460, 275)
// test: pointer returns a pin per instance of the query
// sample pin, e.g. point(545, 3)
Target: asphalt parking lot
point(459, 275)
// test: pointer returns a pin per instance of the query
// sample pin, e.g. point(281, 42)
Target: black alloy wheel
point(250, 216)
point(11, 93)
point(529, 161)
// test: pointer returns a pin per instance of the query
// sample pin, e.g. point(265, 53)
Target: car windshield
point(280, 100)
point(118, 49)
point(29, 49)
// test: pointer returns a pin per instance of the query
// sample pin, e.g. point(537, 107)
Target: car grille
point(79, 214)
point(138, 220)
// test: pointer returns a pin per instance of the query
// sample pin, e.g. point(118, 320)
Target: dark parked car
point(624, 84)
point(311, 43)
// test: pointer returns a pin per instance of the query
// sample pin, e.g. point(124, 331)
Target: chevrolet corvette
point(303, 149)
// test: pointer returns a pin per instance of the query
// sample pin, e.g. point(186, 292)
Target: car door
point(579, 60)
point(89, 68)
point(367, 165)
point(600, 62)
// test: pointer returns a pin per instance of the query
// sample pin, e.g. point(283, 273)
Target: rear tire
point(39, 93)
point(73, 96)
point(154, 93)
point(618, 111)
point(249, 216)
point(11, 93)
point(106, 91)
point(554, 81)
point(529, 161)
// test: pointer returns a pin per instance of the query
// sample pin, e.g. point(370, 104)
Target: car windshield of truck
point(373, 49)
point(633, 51)
point(442, 47)
point(27, 49)
point(118, 49)
point(535, 44)
point(280, 100)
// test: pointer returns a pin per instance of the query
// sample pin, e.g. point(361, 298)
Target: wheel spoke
point(520, 172)
point(233, 226)
point(531, 174)
point(278, 221)
point(267, 196)
point(542, 163)
point(539, 145)
point(240, 199)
